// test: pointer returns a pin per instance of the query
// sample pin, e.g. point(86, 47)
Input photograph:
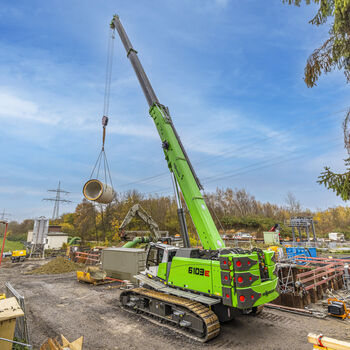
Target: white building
point(55, 240)
point(336, 236)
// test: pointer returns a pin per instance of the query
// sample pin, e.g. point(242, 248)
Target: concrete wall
point(30, 236)
point(55, 242)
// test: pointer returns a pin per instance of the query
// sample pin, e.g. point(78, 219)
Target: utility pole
point(4, 216)
point(57, 200)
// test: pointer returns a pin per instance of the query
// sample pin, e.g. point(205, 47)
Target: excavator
point(187, 289)
point(137, 210)
point(156, 234)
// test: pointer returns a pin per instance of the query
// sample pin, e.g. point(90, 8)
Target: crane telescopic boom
point(175, 155)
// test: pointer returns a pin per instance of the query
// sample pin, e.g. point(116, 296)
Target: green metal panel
point(216, 273)
point(271, 270)
point(193, 274)
point(233, 257)
point(269, 254)
point(177, 164)
point(267, 290)
point(162, 270)
point(255, 272)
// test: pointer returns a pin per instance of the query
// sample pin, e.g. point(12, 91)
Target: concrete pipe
point(95, 190)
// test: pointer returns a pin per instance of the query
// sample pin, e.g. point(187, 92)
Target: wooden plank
point(321, 260)
point(282, 307)
point(9, 309)
point(321, 282)
point(326, 273)
point(329, 270)
point(75, 345)
point(51, 344)
point(311, 272)
point(332, 344)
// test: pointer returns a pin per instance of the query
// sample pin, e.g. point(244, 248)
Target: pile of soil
point(57, 265)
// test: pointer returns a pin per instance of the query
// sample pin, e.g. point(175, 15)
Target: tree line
point(231, 209)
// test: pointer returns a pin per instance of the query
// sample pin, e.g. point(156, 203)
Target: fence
point(21, 330)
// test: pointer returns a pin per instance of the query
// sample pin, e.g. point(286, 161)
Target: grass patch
point(11, 245)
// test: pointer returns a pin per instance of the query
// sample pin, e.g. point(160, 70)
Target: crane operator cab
point(159, 260)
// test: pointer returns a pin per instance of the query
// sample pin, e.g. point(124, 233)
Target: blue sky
point(230, 71)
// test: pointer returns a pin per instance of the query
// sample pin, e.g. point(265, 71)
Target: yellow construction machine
point(18, 255)
point(91, 274)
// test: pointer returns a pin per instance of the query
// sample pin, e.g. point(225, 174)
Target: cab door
point(154, 258)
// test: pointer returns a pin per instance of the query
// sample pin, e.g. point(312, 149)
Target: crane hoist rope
point(94, 189)
point(102, 158)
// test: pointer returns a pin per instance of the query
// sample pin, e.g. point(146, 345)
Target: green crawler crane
point(188, 289)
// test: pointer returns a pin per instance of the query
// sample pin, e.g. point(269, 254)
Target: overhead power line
point(57, 200)
point(4, 216)
point(292, 156)
point(229, 152)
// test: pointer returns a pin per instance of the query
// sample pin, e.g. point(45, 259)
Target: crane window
point(155, 256)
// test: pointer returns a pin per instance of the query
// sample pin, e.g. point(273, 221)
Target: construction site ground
point(58, 304)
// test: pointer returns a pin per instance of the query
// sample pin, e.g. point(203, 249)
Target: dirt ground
point(58, 304)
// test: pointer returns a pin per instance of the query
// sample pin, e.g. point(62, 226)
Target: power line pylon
point(57, 200)
point(4, 216)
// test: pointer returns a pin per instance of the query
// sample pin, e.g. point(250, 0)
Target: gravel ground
point(58, 304)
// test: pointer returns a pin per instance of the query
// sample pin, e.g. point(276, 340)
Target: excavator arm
point(137, 210)
point(175, 155)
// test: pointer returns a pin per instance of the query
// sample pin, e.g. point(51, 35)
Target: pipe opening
point(93, 189)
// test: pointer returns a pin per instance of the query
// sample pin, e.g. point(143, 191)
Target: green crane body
point(241, 279)
point(178, 165)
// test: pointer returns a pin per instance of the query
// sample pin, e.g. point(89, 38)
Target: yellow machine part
point(346, 310)
point(16, 253)
point(91, 274)
point(2, 296)
point(85, 277)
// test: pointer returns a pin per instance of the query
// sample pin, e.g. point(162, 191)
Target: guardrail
point(21, 330)
point(87, 257)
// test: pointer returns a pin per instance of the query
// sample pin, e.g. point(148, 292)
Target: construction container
point(123, 263)
point(9, 311)
point(301, 251)
point(271, 238)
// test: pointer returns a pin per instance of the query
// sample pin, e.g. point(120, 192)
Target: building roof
point(57, 234)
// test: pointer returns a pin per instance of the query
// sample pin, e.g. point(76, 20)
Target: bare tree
point(292, 203)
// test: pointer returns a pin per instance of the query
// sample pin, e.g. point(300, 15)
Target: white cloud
point(14, 107)
point(21, 190)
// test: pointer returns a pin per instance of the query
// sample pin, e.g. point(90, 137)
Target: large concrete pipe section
point(95, 190)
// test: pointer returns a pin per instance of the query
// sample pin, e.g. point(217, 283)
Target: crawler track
point(184, 316)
